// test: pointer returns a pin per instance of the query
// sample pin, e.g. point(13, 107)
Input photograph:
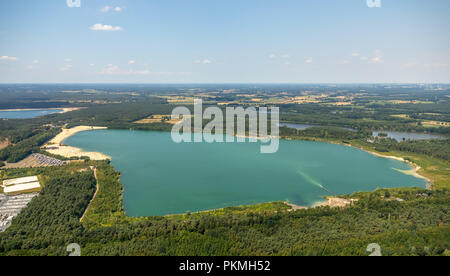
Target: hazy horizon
point(253, 41)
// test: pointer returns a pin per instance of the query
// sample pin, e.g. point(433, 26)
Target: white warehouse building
point(20, 185)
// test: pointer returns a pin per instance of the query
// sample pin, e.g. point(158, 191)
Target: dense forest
point(436, 148)
point(25, 147)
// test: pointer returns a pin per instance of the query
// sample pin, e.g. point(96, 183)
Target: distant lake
point(303, 126)
point(399, 136)
point(161, 177)
point(27, 114)
point(295, 126)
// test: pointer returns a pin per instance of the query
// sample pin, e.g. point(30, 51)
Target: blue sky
point(232, 41)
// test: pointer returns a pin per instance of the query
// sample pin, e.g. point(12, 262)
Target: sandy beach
point(332, 202)
point(70, 109)
point(56, 146)
point(296, 207)
point(264, 139)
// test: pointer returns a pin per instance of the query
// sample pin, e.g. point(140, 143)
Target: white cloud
point(92, 65)
point(115, 70)
point(65, 68)
point(410, 65)
point(110, 70)
point(140, 72)
point(437, 65)
point(68, 60)
point(105, 9)
point(109, 8)
point(132, 62)
point(285, 56)
point(376, 60)
point(309, 60)
point(272, 56)
point(73, 3)
point(377, 57)
point(33, 63)
point(100, 27)
point(8, 58)
point(205, 61)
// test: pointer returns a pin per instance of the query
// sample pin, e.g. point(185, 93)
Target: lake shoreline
point(332, 202)
point(55, 146)
point(414, 172)
point(64, 109)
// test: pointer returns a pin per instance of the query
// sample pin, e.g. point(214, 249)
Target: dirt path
point(95, 194)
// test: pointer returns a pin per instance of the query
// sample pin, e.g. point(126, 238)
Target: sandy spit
point(414, 172)
point(56, 146)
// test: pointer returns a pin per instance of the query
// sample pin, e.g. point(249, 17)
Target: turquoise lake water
point(161, 177)
point(27, 114)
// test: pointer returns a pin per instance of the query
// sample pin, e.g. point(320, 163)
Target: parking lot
point(36, 160)
point(10, 206)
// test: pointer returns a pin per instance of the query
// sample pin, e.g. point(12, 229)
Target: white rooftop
point(18, 181)
point(21, 187)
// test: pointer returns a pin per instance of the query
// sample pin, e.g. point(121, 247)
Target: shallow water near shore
point(161, 177)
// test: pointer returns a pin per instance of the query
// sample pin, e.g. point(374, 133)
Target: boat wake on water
point(313, 181)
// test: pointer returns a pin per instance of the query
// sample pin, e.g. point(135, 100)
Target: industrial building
point(21, 185)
